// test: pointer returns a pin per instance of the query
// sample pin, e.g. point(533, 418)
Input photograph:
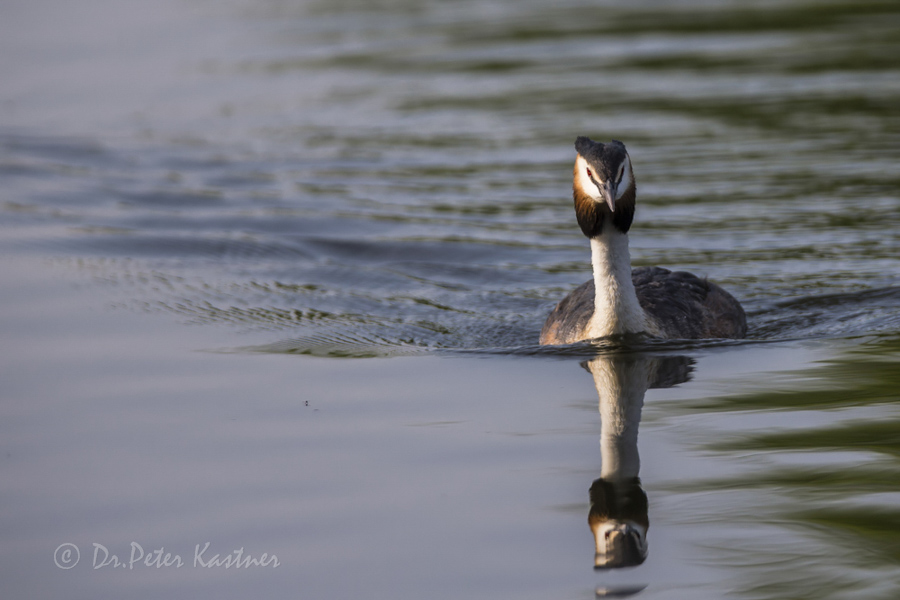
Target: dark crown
point(604, 158)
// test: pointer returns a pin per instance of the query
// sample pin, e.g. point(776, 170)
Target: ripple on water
point(416, 189)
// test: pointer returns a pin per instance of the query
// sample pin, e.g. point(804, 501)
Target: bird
point(653, 301)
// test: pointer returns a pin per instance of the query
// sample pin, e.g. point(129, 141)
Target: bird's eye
point(621, 172)
point(591, 175)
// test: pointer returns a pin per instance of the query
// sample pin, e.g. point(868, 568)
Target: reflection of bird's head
point(603, 186)
point(619, 522)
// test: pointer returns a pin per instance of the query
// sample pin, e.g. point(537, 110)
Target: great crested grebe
point(649, 300)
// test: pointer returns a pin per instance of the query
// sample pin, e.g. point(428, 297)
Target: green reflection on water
point(874, 436)
point(877, 530)
point(830, 471)
point(867, 374)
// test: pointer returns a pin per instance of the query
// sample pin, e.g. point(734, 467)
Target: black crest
point(603, 158)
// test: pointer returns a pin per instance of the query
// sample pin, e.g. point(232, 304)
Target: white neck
point(616, 307)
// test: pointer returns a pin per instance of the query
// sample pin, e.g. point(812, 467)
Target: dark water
point(392, 178)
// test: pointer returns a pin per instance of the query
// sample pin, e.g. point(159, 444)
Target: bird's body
point(619, 300)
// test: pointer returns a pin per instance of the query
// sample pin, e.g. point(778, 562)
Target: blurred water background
point(194, 193)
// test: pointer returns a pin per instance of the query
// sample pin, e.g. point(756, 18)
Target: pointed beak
point(608, 191)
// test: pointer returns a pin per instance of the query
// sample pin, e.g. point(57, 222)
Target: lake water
point(273, 275)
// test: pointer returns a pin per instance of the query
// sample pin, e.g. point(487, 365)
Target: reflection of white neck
point(621, 384)
point(616, 306)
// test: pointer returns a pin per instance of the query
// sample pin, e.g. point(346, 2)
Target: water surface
point(208, 207)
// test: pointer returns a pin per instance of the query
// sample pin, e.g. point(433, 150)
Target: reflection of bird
point(618, 517)
point(617, 300)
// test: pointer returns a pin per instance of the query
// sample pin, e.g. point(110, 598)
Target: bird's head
point(603, 186)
